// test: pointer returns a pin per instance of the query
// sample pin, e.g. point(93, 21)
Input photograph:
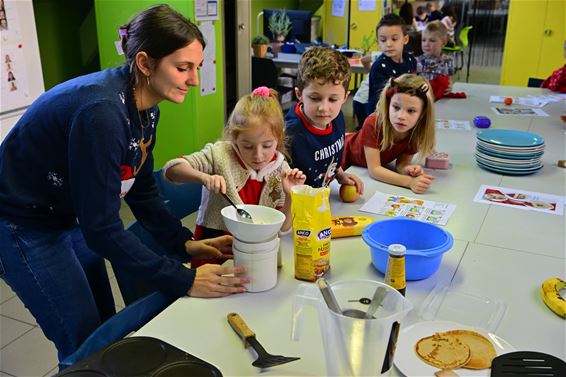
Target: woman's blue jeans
point(59, 279)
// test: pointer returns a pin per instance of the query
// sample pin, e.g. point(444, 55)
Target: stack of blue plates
point(509, 151)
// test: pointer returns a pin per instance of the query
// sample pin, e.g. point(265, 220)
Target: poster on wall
point(206, 10)
point(13, 74)
point(9, 23)
point(338, 8)
point(367, 5)
point(208, 68)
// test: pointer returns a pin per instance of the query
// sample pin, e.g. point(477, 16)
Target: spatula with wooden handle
point(264, 359)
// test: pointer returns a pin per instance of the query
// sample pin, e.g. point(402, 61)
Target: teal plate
point(510, 138)
point(507, 172)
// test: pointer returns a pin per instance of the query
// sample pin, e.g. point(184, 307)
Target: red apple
point(348, 193)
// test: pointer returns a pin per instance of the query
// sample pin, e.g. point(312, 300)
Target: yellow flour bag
point(311, 231)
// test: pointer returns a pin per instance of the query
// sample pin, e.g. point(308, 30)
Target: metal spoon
point(333, 305)
point(377, 299)
point(243, 215)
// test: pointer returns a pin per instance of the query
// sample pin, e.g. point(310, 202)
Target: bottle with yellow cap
point(395, 277)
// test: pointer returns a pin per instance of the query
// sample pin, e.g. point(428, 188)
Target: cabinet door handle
point(353, 26)
point(548, 32)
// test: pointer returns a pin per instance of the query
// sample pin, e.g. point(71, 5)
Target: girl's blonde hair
point(422, 136)
point(262, 105)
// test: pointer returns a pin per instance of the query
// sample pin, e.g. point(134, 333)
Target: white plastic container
point(260, 247)
point(255, 247)
point(261, 268)
point(352, 346)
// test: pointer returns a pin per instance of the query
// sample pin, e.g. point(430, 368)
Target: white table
point(498, 252)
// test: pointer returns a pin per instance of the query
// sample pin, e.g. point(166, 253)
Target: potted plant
point(368, 42)
point(260, 44)
point(279, 25)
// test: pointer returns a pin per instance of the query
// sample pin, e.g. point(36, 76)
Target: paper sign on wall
point(206, 10)
point(338, 8)
point(208, 68)
point(367, 5)
point(13, 74)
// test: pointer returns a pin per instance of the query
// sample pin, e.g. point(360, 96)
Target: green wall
point(68, 49)
point(183, 128)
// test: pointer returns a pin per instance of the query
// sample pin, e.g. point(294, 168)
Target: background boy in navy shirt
point(392, 36)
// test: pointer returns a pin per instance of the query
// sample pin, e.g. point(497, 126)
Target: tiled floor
point(24, 350)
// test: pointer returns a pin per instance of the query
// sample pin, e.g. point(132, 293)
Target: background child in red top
point(557, 81)
point(402, 126)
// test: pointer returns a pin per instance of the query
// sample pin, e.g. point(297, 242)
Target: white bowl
point(267, 222)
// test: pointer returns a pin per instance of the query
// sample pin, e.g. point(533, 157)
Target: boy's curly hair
point(324, 65)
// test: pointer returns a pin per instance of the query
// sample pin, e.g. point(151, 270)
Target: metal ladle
point(242, 214)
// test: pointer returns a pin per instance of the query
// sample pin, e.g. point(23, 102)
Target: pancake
point(443, 352)
point(481, 349)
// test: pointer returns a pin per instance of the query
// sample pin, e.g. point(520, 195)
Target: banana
point(550, 292)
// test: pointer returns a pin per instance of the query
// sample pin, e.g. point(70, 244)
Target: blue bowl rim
point(427, 253)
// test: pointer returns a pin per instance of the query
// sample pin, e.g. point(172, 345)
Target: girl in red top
point(402, 126)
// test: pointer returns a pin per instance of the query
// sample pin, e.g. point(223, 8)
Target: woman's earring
point(147, 77)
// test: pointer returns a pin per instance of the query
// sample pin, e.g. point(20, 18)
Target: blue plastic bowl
point(425, 243)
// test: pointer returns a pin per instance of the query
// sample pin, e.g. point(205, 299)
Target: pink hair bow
point(261, 91)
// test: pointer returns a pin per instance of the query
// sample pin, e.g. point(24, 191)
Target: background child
point(421, 18)
point(450, 20)
point(407, 14)
point(433, 64)
point(393, 62)
point(248, 165)
point(557, 81)
point(361, 97)
point(316, 126)
point(402, 126)
point(432, 10)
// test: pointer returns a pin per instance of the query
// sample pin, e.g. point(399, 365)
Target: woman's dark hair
point(159, 31)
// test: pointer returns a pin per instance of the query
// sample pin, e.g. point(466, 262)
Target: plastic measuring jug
point(352, 346)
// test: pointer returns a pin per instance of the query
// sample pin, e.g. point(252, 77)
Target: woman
point(77, 150)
